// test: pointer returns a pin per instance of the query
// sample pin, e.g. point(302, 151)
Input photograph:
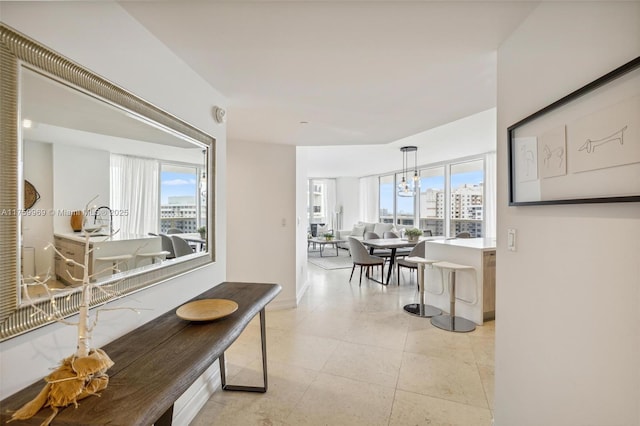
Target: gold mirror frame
point(16, 49)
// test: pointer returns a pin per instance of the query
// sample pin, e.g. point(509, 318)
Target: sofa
point(360, 228)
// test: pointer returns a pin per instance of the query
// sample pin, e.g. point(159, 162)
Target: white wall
point(347, 197)
point(261, 212)
point(568, 301)
point(37, 231)
point(104, 38)
point(79, 175)
point(302, 222)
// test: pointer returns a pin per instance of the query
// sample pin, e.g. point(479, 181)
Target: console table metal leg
point(261, 389)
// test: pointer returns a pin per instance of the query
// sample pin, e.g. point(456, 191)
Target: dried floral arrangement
point(85, 372)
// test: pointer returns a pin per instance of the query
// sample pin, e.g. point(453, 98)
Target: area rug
point(330, 261)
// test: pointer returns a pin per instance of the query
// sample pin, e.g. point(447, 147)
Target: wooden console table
point(157, 362)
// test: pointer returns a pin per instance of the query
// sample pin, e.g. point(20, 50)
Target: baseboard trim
point(188, 406)
point(302, 291)
point(279, 305)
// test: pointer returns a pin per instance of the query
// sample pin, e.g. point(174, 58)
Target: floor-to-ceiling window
point(180, 200)
point(387, 198)
point(467, 187)
point(449, 199)
point(157, 195)
point(321, 203)
point(432, 200)
point(316, 207)
point(405, 205)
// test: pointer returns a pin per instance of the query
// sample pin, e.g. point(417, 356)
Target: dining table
point(392, 244)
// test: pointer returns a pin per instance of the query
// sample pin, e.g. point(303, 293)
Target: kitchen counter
point(72, 246)
point(79, 237)
point(475, 287)
point(485, 244)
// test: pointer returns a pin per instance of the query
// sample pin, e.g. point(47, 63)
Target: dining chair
point(400, 252)
point(174, 231)
point(417, 251)
point(384, 253)
point(361, 257)
point(167, 245)
point(180, 246)
point(463, 235)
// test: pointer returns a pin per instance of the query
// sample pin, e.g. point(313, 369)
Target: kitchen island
point(72, 246)
point(476, 288)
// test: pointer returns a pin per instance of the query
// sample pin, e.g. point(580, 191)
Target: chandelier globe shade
point(409, 185)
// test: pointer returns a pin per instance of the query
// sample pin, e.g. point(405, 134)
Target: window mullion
point(447, 201)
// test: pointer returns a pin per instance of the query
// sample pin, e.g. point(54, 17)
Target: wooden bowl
point(206, 309)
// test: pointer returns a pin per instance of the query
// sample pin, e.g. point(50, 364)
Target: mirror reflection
point(136, 188)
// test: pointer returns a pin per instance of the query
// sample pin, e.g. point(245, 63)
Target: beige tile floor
point(349, 355)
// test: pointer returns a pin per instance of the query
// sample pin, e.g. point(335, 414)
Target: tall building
point(179, 213)
point(466, 210)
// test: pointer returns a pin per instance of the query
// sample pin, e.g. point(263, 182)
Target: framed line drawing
point(583, 148)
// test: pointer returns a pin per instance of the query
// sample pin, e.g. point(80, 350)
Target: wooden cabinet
point(71, 250)
point(71, 246)
point(489, 285)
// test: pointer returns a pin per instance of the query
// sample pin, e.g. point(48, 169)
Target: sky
point(176, 184)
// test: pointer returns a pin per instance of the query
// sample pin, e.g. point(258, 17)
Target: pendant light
point(408, 186)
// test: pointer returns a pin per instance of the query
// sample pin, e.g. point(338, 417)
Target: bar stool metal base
point(457, 324)
point(422, 310)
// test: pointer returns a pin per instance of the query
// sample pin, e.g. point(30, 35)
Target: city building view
point(464, 211)
point(179, 200)
point(179, 213)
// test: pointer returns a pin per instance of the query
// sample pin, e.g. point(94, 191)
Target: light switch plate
point(511, 239)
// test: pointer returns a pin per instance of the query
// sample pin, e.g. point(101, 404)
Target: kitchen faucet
point(95, 217)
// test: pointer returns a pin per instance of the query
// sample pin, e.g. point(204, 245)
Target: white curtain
point(490, 206)
point(369, 195)
point(135, 194)
point(329, 202)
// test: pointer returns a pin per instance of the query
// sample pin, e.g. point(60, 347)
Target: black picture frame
point(551, 159)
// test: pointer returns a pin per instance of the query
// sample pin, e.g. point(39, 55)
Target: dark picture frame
point(583, 148)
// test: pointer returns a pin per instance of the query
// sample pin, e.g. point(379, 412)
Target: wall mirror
point(81, 156)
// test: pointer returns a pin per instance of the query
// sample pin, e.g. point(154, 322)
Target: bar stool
point(451, 322)
point(115, 261)
point(421, 309)
point(158, 255)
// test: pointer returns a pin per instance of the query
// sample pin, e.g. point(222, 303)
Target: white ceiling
point(358, 72)
point(48, 102)
point(466, 137)
point(61, 114)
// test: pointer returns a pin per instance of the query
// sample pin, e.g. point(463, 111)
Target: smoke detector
point(219, 114)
